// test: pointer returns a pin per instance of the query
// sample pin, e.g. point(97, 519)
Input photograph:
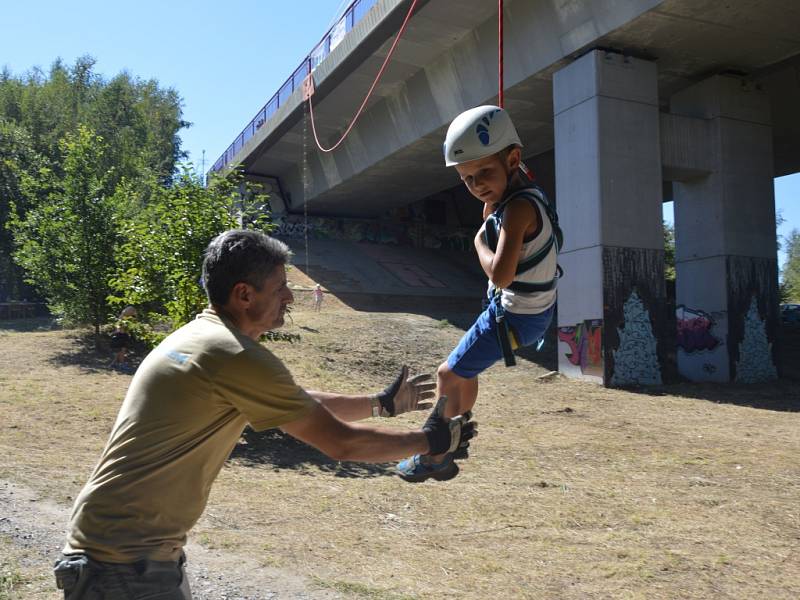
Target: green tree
point(66, 239)
point(160, 260)
point(138, 120)
point(791, 268)
point(669, 251)
point(19, 163)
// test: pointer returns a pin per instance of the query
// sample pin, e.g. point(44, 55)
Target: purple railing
point(354, 13)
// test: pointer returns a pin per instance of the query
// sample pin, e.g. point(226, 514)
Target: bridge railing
point(352, 15)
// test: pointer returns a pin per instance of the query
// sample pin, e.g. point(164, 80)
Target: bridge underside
point(447, 62)
point(621, 105)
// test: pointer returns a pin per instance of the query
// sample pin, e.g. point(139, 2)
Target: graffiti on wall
point(585, 341)
point(695, 330)
point(701, 336)
point(755, 351)
point(636, 359)
point(289, 229)
point(420, 235)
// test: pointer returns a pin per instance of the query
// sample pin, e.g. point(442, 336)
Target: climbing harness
point(492, 234)
point(504, 333)
point(493, 224)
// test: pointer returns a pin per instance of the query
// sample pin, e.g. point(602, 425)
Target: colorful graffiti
point(755, 351)
point(636, 359)
point(694, 330)
point(701, 342)
point(585, 341)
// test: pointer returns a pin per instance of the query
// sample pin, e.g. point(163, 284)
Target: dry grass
point(572, 491)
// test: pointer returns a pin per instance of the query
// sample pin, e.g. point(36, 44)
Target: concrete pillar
point(611, 300)
point(726, 264)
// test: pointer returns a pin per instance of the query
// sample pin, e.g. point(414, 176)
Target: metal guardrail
point(354, 13)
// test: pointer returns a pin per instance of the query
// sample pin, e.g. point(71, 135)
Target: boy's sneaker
point(419, 467)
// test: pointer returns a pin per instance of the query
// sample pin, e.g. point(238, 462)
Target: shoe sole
point(443, 475)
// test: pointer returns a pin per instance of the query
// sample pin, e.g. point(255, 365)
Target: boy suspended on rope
point(517, 246)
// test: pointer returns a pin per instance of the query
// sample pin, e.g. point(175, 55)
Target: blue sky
point(225, 59)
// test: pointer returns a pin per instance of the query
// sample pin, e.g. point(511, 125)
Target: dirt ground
point(572, 490)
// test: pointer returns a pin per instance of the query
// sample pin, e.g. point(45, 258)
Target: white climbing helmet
point(477, 133)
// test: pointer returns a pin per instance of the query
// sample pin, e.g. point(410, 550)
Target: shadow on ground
point(29, 325)
point(463, 310)
point(274, 449)
point(782, 395)
point(93, 356)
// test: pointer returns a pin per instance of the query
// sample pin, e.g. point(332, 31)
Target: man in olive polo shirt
point(185, 410)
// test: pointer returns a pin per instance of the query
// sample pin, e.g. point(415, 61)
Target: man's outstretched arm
point(404, 394)
point(351, 442)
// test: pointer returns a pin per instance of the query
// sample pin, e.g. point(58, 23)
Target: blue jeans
point(479, 349)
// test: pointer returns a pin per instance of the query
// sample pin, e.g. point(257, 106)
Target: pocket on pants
point(160, 585)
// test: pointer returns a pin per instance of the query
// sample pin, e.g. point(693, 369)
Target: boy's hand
point(449, 436)
point(406, 393)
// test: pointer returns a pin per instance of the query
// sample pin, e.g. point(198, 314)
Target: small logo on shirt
point(178, 357)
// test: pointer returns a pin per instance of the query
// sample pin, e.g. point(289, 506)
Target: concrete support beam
point(685, 147)
point(612, 324)
point(726, 261)
point(271, 187)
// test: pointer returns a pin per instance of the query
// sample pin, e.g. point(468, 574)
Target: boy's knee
point(447, 376)
point(443, 372)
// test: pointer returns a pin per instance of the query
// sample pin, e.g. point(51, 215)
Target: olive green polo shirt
point(184, 412)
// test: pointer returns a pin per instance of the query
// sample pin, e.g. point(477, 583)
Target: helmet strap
point(528, 173)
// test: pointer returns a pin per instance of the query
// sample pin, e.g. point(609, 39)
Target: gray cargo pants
point(82, 578)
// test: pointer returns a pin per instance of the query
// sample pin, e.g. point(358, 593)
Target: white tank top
point(544, 272)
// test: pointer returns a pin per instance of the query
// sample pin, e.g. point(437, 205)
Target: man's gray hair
point(240, 255)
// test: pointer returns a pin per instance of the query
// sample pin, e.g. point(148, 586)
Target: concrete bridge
point(622, 105)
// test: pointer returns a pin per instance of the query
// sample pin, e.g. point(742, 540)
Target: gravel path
point(36, 527)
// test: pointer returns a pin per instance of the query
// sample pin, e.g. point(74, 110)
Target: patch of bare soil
point(571, 490)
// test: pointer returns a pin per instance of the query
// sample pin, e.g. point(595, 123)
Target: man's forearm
point(373, 444)
point(346, 441)
point(346, 407)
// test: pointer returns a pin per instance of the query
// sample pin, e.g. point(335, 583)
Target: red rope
point(500, 85)
point(369, 93)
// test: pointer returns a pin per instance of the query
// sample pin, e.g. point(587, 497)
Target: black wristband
point(386, 397)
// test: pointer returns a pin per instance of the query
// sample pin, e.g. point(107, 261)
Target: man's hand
point(406, 394)
point(449, 436)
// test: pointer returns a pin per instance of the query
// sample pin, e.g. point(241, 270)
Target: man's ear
point(241, 294)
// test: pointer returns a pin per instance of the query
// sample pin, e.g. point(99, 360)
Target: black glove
point(448, 436)
point(406, 394)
